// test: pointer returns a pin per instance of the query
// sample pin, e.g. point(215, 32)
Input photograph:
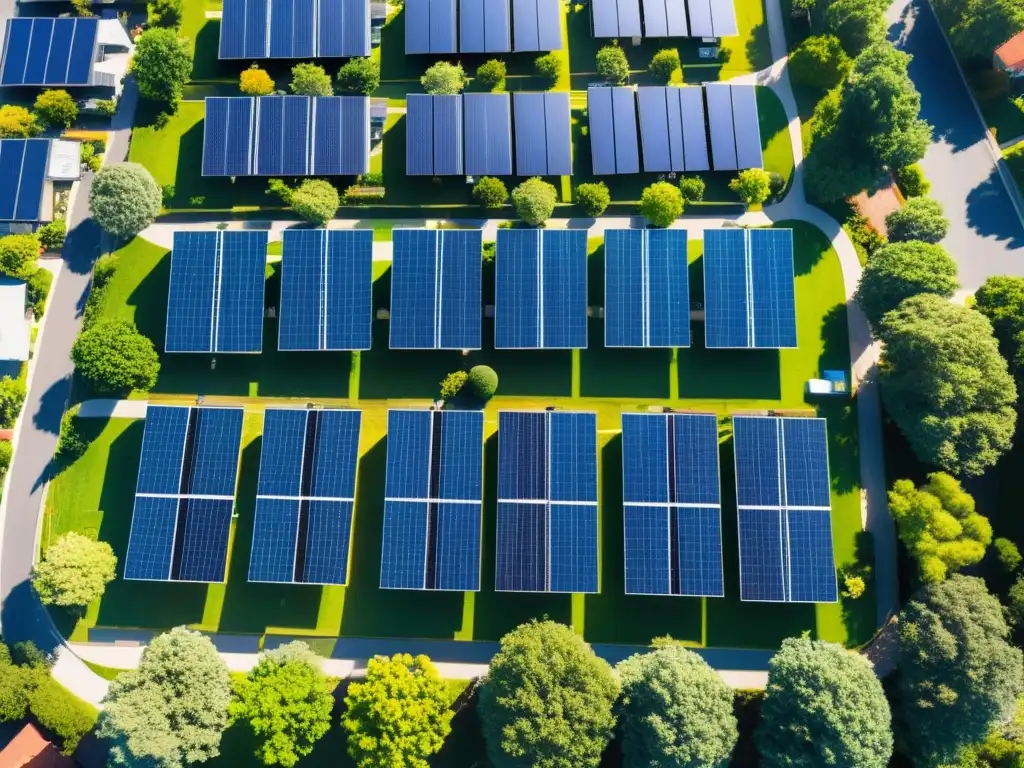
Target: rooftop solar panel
point(785, 533)
point(616, 18)
point(488, 130)
point(542, 134)
point(419, 134)
point(720, 121)
point(22, 178)
point(45, 51)
point(547, 502)
point(343, 28)
point(294, 29)
point(748, 134)
point(447, 135)
point(484, 26)
point(661, 128)
point(694, 129)
point(612, 124)
point(536, 25)
point(430, 26)
point(433, 500)
point(185, 494)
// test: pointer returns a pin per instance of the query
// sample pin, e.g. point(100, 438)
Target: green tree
point(1007, 554)
point(491, 73)
point(311, 80)
point(920, 218)
point(359, 76)
point(1000, 299)
point(661, 203)
point(165, 13)
point(593, 197)
point(752, 185)
point(17, 684)
point(664, 64)
point(315, 201)
point(286, 701)
point(958, 674)
point(74, 571)
point(51, 235)
point(482, 382)
point(255, 82)
point(12, 395)
point(612, 64)
point(901, 270)
point(912, 181)
point(398, 716)
point(674, 711)
point(444, 78)
point(161, 65)
point(824, 705)
point(490, 192)
point(115, 358)
point(692, 188)
point(1015, 602)
point(534, 201)
point(452, 384)
point(125, 199)
point(17, 123)
point(82, 8)
point(977, 27)
point(60, 712)
point(938, 525)
point(171, 710)
point(819, 62)
point(945, 385)
point(857, 23)
point(56, 108)
point(549, 67)
point(18, 254)
point(547, 700)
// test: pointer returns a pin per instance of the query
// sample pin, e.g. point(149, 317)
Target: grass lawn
point(92, 497)
point(774, 128)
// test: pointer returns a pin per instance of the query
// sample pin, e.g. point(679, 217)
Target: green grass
point(107, 673)
point(775, 144)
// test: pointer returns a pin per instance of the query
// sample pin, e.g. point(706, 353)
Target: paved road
point(986, 236)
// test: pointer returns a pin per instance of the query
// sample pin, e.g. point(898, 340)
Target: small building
point(32, 168)
point(29, 749)
point(1009, 57)
point(15, 329)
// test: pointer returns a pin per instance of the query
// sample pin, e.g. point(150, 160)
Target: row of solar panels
point(664, 18)
point(294, 29)
point(547, 527)
point(23, 164)
point(46, 51)
point(482, 26)
point(472, 134)
point(286, 136)
point(673, 128)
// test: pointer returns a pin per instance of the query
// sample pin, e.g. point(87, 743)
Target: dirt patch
point(878, 205)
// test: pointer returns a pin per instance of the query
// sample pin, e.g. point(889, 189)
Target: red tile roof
point(30, 750)
point(1011, 53)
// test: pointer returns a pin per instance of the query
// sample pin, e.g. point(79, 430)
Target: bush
point(315, 201)
point(488, 252)
point(490, 192)
point(1007, 554)
point(51, 236)
point(360, 76)
point(491, 73)
point(912, 182)
point(452, 384)
point(1015, 603)
point(921, 218)
point(593, 198)
point(5, 462)
point(664, 63)
point(70, 443)
point(661, 203)
point(62, 713)
point(74, 571)
point(167, 193)
point(125, 199)
point(819, 62)
point(372, 179)
point(444, 78)
point(612, 64)
point(482, 382)
point(106, 107)
point(87, 155)
point(56, 108)
point(161, 64)
point(534, 201)
point(255, 82)
point(311, 80)
point(18, 254)
point(776, 185)
point(853, 587)
point(165, 13)
point(17, 123)
point(866, 239)
point(752, 185)
point(692, 188)
point(358, 194)
point(12, 396)
point(549, 67)
point(115, 358)
point(37, 290)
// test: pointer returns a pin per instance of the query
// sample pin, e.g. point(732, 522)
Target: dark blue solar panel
point(458, 545)
point(349, 282)
point(215, 456)
point(645, 458)
point(151, 540)
point(304, 44)
point(601, 130)
point(806, 463)
point(646, 548)
point(284, 439)
point(301, 317)
point(232, 30)
point(762, 574)
point(291, 20)
point(414, 289)
point(488, 121)
point(447, 133)
point(573, 456)
point(442, 26)
point(163, 444)
point(812, 577)
point(271, 136)
point(337, 451)
point(564, 282)
point(756, 448)
point(625, 290)
point(419, 131)
point(205, 546)
point(417, 26)
point(255, 29)
point(273, 539)
point(33, 175)
point(521, 548)
point(523, 455)
point(341, 136)
point(668, 288)
point(462, 455)
point(403, 552)
point(696, 459)
point(327, 546)
point(39, 51)
point(772, 292)
point(542, 134)
point(700, 550)
point(215, 129)
point(296, 135)
point(518, 304)
point(17, 34)
point(726, 300)
point(238, 141)
point(12, 155)
point(192, 295)
point(355, 30)
point(60, 51)
point(240, 292)
point(573, 563)
point(408, 464)
point(460, 289)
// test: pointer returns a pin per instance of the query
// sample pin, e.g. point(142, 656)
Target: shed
point(1009, 57)
point(30, 750)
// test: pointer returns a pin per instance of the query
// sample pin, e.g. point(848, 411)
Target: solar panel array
point(732, 118)
point(286, 136)
point(305, 496)
point(22, 178)
point(436, 289)
point(430, 26)
point(536, 25)
point(488, 124)
point(547, 502)
point(326, 280)
point(616, 18)
point(543, 130)
point(294, 29)
point(646, 285)
point(785, 510)
point(664, 18)
point(672, 129)
point(612, 122)
point(484, 26)
point(671, 504)
point(185, 494)
point(215, 301)
point(433, 135)
point(749, 298)
point(433, 500)
point(44, 51)
point(712, 18)
point(541, 289)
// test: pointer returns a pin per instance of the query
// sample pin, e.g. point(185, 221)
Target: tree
point(901, 270)
point(674, 710)
point(360, 76)
point(938, 525)
point(115, 358)
point(534, 201)
point(976, 28)
point(490, 192)
point(593, 197)
point(56, 108)
point(753, 185)
point(161, 65)
point(18, 254)
point(1015, 602)
point(12, 396)
point(444, 78)
point(165, 13)
point(912, 181)
point(52, 234)
point(819, 62)
point(315, 201)
point(920, 218)
point(549, 67)
point(255, 82)
point(17, 123)
point(172, 709)
point(692, 188)
point(491, 74)
point(1001, 300)
point(857, 23)
point(82, 8)
point(612, 64)
point(399, 715)
point(311, 80)
point(958, 673)
point(482, 382)
point(945, 385)
point(661, 203)
point(1007, 554)
point(452, 384)
point(125, 199)
point(664, 64)
point(286, 700)
point(547, 700)
point(824, 705)
point(74, 571)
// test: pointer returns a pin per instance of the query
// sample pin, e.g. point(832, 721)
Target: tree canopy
point(959, 675)
point(1001, 300)
point(17, 123)
point(56, 108)
point(255, 82)
point(819, 62)
point(593, 197)
point(491, 73)
point(359, 75)
point(482, 382)
point(18, 254)
point(490, 192)
point(753, 185)
point(674, 710)
point(661, 203)
point(311, 80)
point(945, 384)
point(161, 65)
point(444, 78)
point(612, 64)
point(901, 270)
point(171, 711)
point(857, 23)
point(315, 201)
point(824, 705)
point(125, 199)
point(534, 201)
point(920, 218)
point(549, 67)
point(74, 571)
point(165, 13)
point(664, 64)
point(547, 700)
point(115, 358)
point(977, 27)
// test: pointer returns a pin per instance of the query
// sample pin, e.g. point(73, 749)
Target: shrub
point(82, 7)
point(165, 13)
point(255, 82)
point(74, 571)
point(866, 239)
point(114, 357)
point(56, 108)
point(661, 203)
point(311, 80)
point(87, 155)
point(1007, 554)
point(125, 199)
point(372, 179)
point(482, 382)
point(612, 64)
point(37, 290)
point(452, 384)
point(12, 396)
point(912, 181)
point(51, 236)
point(488, 252)
point(359, 75)
point(167, 193)
point(62, 713)
point(315, 201)
point(18, 254)
point(106, 107)
point(444, 78)
point(853, 587)
point(819, 62)
point(17, 123)
point(692, 188)
point(490, 192)
point(1015, 602)
point(534, 201)
point(921, 218)
point(279, 188)
point(549, 67)
point(491, 73)
point(752, 185)
point(593, 198)
point(357, 194)
point(5, 462)
point(776, 185)
point(664, 63)
point(70, 443)
point(161, 64)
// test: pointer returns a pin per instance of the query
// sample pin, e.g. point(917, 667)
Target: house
point(30, 750)
point(36, 166)
point(1009, 57)
point(15, 330)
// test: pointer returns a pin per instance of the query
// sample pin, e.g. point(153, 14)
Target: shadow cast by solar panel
point(613, 616)
point(496, 613)
point(401, 189)
point(809, 246)
point(860, 623)
point(622, 372)
point(216, 191)
point(525, 371)
point(724, 374)
point(205, 64)
point(370, 611)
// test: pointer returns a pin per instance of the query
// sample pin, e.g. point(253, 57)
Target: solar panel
point(215, 301)
point(541, 287)
point(436, 289)
point(536, 25)
point(616, 18)
point(305, 496)
point(22, 178)
point(433, 135)
point(433, 501)
point(661, 129)
point(720, 120)
point(748, 134)
point(723, 18)
point(294, 29)
point(547, 502)
point(185, 493)
point(784, 509)
point(647, 301)
point(44, 51)
point(612, 122)
point(488, 130)
point(694, 129)
point(543, 127)
point(484, 26)
point(430, 26)
point(326, 283)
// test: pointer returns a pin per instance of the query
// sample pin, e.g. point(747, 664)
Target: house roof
point(14, 330)
point(1011, 53)
point(30, 750)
